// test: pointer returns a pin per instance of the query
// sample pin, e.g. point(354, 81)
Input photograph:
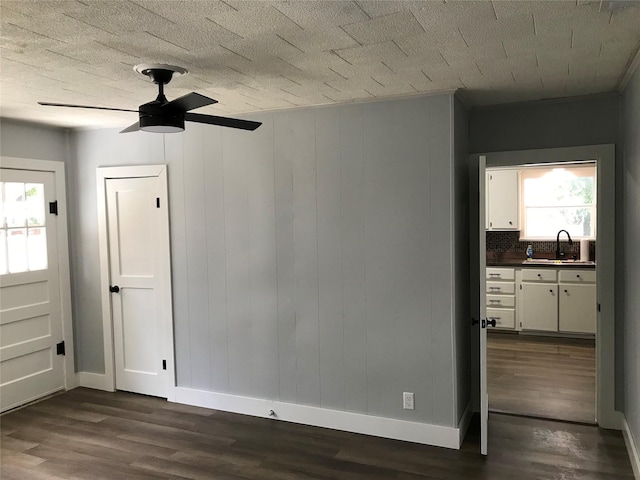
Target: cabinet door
point(577, 308)
point(502, 200)
point(539, 307)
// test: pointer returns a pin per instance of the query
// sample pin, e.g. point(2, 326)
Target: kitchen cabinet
point(539, 310)
point(500, 297)
point(577, 302)
point(557, 300)
point(502, 200)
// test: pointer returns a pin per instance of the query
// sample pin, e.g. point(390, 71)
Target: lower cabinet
point(542, 299)
point(577, 308)
point(557, 300)
point(539, 309)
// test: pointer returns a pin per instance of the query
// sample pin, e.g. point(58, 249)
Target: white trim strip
point(97, 381)
point(424, 433)
point(632, 448)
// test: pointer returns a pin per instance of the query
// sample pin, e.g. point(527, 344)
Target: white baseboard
point(97, 381)
point(632, 448)
point(423, 433)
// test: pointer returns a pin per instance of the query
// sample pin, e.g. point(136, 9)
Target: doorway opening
point(606, 415)
point(541, 290)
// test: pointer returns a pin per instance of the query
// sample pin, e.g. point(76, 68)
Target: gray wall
point(30, 140)
point(568, 122)
point(631, 192)
point(313, 259)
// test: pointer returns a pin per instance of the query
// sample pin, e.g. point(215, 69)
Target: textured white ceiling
point(259, 55)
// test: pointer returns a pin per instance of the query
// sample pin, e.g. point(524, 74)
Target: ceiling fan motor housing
point(154, 118)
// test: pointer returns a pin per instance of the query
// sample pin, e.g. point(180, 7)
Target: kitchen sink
point(553, 261)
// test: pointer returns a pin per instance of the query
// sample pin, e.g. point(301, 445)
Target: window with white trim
point(556, 198)
point(23, 235)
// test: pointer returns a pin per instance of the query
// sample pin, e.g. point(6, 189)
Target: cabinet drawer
point(539, 275)
point(504, 317)
point(577, 276)
point(501, 288)
point(501, 301)
point(494, 273)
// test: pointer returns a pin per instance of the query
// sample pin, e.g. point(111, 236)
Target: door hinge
point(60, 348)
point(53, 208)
point(157, 202)
point(164, 364)
point(520, 286)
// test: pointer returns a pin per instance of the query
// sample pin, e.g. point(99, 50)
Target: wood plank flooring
point(542, 376)
point(87, 434)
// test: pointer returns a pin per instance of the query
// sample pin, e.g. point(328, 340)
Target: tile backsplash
point(509, 242)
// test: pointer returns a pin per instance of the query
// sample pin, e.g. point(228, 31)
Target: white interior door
point(484, 397)
point(30, 306)
point(138, 256)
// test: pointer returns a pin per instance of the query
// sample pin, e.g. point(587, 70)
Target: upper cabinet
point(502, 200)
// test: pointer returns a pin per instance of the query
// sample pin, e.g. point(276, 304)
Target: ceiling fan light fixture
point(161, 124)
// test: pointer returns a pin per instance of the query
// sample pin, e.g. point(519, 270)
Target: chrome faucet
point(559, 254)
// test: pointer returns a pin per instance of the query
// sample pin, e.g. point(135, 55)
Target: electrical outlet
point(407, 400)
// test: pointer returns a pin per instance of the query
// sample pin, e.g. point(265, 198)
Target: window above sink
point(555, 198)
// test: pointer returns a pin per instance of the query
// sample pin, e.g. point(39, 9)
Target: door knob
point(114, 288)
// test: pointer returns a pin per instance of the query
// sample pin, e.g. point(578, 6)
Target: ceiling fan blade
point(222, 121)
point(49, 104)
point(190, 101)
point(131, 128)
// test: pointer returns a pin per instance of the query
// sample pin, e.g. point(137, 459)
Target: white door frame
point(102, 175)
point(64, 275)
point(606, 414)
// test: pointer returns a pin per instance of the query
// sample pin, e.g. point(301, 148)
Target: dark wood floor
point(86, 434)
point(542, 376)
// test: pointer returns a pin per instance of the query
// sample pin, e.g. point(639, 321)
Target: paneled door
point(31, 362)
point(138, 248)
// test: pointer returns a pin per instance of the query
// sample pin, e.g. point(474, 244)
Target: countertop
point(510, 259)
point(526, 264)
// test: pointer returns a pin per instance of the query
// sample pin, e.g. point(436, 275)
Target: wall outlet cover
point(407, 401)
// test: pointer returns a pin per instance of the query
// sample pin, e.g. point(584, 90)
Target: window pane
point(3, 252)
point(17, 249)
point(34, 193)
point(559, 187)
point(14, 204)
point(37, 248)
point(545, 222)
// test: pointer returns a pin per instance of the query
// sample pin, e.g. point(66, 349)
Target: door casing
point(606, 414)
point(165, 290)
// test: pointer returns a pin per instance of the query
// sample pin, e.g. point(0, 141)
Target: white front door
point(484, 396)
point(138, 249)
point(30, 306)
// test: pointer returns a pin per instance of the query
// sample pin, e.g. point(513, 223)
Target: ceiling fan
point(164, 116)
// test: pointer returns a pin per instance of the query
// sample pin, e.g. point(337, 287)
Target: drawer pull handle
point(494, 274)
point(566, 291)
point(577, 276)
point(550, 291)
point(495, 318)
point(494, 288)
point(540, 275)
point(494, 301)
